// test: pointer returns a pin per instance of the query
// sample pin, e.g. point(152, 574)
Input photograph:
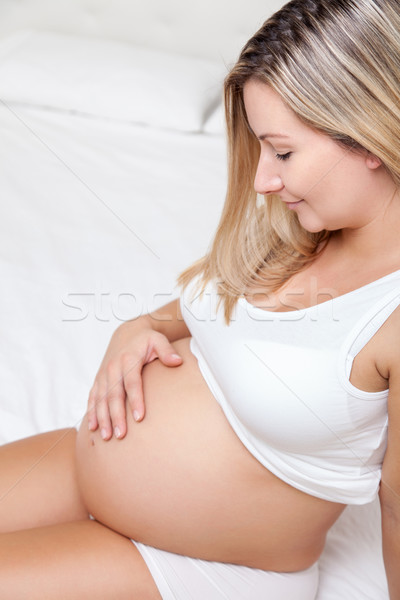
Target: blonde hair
point(337, 66)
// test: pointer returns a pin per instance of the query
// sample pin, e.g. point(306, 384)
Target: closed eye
point(283, 156)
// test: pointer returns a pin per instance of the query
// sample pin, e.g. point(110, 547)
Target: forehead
point(267, 113)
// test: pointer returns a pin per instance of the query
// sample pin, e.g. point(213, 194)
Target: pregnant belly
point(181, 480)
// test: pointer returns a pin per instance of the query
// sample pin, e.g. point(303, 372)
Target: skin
point(218, 502)
point(49, 549)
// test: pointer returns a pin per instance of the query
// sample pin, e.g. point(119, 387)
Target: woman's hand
point(132, 345)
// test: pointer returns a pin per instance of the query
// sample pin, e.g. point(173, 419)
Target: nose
point(267, 179)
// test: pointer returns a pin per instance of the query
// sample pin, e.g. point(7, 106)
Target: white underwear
point(182, 578)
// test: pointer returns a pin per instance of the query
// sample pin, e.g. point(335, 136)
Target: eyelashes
point(283, 156)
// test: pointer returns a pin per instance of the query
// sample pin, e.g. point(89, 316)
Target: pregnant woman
point(228, 430)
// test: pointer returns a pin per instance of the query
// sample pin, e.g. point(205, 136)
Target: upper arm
point(390, 483)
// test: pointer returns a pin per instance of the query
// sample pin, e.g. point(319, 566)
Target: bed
point(113, 175)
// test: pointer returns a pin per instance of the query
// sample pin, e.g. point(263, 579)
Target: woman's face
point(328, 186)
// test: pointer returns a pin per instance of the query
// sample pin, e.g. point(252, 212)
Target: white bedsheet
point(97, 220)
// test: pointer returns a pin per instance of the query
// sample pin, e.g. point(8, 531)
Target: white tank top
point(282, 380)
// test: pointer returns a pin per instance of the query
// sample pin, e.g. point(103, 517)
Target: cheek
point(324, 181)
point(323, 195)
point(337, 171)
point(308, 182)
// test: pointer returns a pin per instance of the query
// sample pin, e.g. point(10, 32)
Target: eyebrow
point(264, 136)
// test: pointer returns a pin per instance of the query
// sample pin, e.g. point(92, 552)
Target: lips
point(288, 201)
point(293, 204)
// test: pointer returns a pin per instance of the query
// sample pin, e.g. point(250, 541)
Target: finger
point(116, 405)
point(113, 392)
point(134, 391)
point(91, 409)
point(132, 369)
point(167, 353)
point(111, 388)
point(103, 417)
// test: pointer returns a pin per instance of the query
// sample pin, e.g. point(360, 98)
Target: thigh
point(72, 561)
point(38, 483)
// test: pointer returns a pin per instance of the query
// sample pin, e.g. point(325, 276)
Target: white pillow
point(215, 124)
point(106, 78)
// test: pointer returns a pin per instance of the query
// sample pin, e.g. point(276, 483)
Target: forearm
point(168, 320)
point(391, 551)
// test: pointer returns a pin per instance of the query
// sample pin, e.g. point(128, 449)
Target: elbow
point(390, 506)
point(390, 516)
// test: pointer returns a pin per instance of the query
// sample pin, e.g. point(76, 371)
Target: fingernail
point(176, 356)
point(103, 433)
point(136, 415)
point(117, 432)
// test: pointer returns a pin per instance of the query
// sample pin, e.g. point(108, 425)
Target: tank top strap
point(366, 327)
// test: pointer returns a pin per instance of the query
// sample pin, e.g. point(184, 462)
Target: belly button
point(92, 441)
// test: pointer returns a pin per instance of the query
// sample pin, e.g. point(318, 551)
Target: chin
point(312, 226)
